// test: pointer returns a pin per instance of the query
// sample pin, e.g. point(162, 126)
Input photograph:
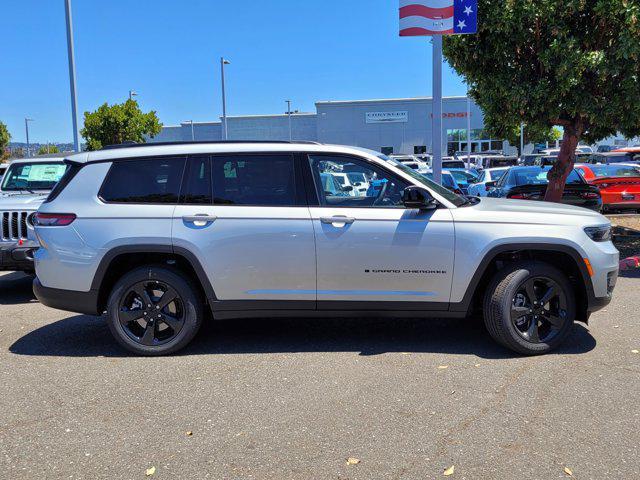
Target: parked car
point(530, 159)
point(530, 183)
point(332, 186)
point(464, 178)
point(494, 161)
point(612, 157)
point(605, 148)
point(619, 184)
point(628, 149)
point(24, 186)
point(487, 178)
point(154, 234)
point(448, 164)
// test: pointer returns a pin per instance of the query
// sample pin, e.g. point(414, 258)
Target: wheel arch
point(565, 257)
point(121, 259)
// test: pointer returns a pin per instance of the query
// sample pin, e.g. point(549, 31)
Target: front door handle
point(199, 219)
point(338, 220)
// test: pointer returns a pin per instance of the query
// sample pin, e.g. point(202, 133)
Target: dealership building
point(401, 125)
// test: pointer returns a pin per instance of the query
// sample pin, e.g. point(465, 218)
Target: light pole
point(289, 114)
point(468, 130)
point(72, 75)
point(26, 127)
point(132, 94)
point(193, 136)
point(225, 132)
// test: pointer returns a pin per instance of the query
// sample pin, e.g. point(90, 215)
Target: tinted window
point(537, 176)
point(197, 185)
point(262, 180)
point(150, 180)
point(376, 188)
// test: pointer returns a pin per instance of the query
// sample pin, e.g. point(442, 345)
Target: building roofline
point(387, 100)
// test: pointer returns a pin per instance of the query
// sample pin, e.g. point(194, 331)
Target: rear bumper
point(14, 258)
point(72, 301)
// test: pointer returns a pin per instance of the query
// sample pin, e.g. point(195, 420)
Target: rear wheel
point(529, 307)
point(154, 310)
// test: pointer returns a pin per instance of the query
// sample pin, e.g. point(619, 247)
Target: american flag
point(438, 17)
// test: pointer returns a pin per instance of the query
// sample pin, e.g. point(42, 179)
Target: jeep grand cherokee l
point(152, 235)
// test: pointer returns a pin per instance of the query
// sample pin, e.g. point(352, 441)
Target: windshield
point(33, 176)
point(538, 176)
point(457, 200)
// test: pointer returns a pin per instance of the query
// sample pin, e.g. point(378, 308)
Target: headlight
point(599, 234)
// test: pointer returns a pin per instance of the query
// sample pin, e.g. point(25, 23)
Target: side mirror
point(418, 197)
point(347, 188)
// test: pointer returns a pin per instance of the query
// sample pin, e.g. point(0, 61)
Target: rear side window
point(71, 172)
point(259, 180)
point(149, 180)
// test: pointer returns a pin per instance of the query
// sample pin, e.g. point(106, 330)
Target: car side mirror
point(418, 197)
point(347, 188)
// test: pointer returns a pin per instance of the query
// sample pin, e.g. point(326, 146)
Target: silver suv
point(156, 234)
point(25, 185)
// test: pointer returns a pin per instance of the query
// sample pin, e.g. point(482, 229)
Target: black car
point(530, 183)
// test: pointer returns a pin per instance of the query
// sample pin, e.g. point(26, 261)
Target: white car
point(479, 188)
point(155, 234)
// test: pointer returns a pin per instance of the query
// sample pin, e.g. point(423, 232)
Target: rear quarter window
point(149, 180)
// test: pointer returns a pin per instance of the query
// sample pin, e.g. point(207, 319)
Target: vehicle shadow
point(635, 273)
point(15, 288)
point(87, 336)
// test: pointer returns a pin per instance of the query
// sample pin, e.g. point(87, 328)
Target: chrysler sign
point(386, 117)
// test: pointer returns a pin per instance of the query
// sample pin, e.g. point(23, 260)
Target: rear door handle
point(199, 219)
point(338, 220)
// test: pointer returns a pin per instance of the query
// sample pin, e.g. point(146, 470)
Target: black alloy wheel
point(539, 310)
point(151, 313)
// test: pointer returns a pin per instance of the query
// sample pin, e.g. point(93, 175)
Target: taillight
point(53, 219)
point(519, 196)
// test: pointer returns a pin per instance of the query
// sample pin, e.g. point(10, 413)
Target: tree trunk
point(558, 174)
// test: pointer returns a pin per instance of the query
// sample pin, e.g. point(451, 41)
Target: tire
point(171, 327)
point(508, 295)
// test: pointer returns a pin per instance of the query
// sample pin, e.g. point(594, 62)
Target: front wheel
point(154, 310)
point(529, 307)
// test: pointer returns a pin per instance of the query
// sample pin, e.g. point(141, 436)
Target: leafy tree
point(568, 63)
point(45, 149)
point(5, 138)
point(118, 123)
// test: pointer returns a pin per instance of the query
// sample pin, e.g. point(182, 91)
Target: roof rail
point(203, 142)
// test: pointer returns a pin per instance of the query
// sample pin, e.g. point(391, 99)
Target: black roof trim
point(204, 142)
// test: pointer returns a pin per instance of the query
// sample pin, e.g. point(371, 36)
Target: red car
point(619, 184)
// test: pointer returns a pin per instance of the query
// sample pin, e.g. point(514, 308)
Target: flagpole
point(436, 109)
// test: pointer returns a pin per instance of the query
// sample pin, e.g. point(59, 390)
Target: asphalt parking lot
point(279, 399)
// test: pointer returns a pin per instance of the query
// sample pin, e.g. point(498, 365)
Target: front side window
point(258, 180)
point(375, 188)
point(149, 180)
point(33, 176)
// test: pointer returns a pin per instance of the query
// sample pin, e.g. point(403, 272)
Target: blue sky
point(169, 52)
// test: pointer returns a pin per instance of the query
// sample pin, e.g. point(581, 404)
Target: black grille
point(14, 225)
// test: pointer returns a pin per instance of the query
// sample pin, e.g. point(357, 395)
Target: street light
point(26, 127)
point(72, 76)
point(225, 132)
point(193, 136)
point(289, 114)
point(132, 94)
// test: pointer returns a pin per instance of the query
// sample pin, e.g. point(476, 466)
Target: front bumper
point(17, 258)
